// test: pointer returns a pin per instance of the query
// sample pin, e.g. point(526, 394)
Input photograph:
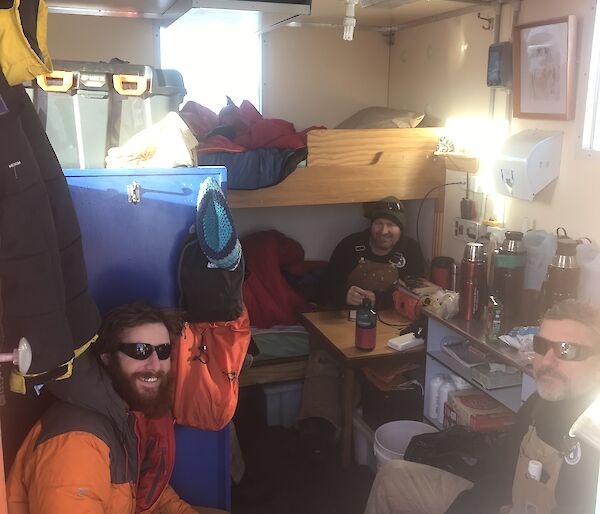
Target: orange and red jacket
point(78, 461)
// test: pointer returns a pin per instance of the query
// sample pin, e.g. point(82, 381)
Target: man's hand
point(355, 296)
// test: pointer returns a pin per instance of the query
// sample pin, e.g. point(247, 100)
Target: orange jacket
point(73, 462)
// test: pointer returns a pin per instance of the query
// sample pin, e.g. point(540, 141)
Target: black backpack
point(456, 450)
point(208, 294)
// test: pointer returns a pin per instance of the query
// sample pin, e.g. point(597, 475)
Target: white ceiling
point(323, 11)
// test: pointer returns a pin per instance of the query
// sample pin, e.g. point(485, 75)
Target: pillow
point(381, 117)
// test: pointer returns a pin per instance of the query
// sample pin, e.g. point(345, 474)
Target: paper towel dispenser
point(527, 163)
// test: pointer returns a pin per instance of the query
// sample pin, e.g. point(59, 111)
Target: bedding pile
point(258, 152)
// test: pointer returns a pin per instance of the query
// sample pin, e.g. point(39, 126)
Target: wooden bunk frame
point(352, 166)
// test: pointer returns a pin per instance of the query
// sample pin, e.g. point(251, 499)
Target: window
point(218, 52)
point(591, 124)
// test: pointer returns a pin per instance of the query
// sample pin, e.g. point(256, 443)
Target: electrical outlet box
point(468, 230)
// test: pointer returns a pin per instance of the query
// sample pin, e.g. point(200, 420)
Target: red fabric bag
point(207, 362)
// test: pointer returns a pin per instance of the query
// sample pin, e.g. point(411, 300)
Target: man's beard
point(382, 243)
point(152, 404)
point(557, 390)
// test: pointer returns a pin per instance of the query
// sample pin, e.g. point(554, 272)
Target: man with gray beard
point(540, 469)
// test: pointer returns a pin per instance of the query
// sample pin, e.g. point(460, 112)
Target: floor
point(283, 477)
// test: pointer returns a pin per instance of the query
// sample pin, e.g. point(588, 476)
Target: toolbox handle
point(130, 85)
point(57, 81)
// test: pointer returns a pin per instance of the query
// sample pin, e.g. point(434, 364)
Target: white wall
point(312, 77)
point(442, 66)
point(572, 201)
point(100, 38)
point(437, 68)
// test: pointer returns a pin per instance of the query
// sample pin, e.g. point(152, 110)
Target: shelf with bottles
point(440, 362)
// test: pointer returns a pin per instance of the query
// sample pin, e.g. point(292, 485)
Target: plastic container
point(283, 401)
point(434, 395)
point(588, 259)
point(445, 389)
point(363, 439)
point(88, 107)
point(540, 248)
point(391, 439)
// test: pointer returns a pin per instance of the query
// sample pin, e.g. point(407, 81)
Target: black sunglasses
point(141, 351)
point(563, 350)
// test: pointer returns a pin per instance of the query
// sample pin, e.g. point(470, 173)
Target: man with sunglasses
point(563, 480)
point(114, 452)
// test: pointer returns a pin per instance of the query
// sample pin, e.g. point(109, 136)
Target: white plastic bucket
point(391, 439)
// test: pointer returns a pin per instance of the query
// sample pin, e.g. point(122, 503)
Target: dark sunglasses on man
point(563, 350)
point(142, 351)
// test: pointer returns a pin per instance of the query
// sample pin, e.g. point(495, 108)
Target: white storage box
point(283, 401)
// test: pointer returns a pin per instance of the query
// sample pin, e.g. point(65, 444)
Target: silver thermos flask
point(562, 278)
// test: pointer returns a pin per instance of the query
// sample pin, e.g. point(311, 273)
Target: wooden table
point(335, 332)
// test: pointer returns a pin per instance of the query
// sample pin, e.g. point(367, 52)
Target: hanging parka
point(43, 280)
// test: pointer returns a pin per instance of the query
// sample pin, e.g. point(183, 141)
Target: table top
point(337, 331)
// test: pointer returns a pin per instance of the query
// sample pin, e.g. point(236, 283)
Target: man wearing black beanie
point(368, 263)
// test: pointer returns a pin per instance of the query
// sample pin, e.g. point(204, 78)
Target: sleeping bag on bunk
point(253, 169)
point(258, 152)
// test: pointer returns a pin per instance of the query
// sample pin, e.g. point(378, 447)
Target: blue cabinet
point(133, 223)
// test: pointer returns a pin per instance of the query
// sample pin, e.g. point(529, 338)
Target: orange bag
point(407, 304)
point(207, 362)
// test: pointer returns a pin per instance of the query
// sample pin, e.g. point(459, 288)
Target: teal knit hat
point(214, 227)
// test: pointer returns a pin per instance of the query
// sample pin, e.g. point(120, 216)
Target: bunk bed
point(352, 166)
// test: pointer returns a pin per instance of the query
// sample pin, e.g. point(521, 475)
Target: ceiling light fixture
point(349, 20)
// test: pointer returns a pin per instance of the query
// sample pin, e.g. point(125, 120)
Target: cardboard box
point(477, 411)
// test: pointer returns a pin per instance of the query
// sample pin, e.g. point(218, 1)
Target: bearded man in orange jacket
point(114, 454)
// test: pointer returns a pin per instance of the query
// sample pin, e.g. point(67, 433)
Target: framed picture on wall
point(544, 69)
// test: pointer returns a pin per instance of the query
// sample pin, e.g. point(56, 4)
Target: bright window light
point(218, 52)
point(591, 124)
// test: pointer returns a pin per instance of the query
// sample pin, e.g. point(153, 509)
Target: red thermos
point(473, 282)
point(441, 271)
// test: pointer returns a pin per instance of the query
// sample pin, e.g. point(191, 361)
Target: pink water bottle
point(366, 326)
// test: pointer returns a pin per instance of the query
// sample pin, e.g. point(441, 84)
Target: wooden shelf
point(456, 161)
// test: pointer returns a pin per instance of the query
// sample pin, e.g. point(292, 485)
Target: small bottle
point(434, 395)
point(452, 277)
point(494, 319)
point(366, 326)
